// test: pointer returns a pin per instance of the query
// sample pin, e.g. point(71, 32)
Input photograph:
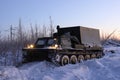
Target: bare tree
point(20, 33)
point(51, 27)
point(44, 31)
point(0, 35)
point(11, 33)
point(36, 31)
point(108, 37)
point(32, 33)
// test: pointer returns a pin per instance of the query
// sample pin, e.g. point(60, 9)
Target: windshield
point(41, 42)
point(46, 42)
point(51, 42)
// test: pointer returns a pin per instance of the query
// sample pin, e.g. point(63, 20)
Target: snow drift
point(106, 68)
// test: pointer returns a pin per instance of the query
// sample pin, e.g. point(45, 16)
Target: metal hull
point(36, 54)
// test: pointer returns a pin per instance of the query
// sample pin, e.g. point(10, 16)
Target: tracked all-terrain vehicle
point(68, 45)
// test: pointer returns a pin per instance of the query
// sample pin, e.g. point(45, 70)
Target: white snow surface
point(106, 68)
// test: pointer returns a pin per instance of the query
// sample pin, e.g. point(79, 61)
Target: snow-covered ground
point(106, 68)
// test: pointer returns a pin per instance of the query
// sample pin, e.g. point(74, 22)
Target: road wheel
point(64, 60)
point(73, 59)
point(99, 55)
point(80, 58)
point(87, 57)
point(93, 56)
point(57, 57)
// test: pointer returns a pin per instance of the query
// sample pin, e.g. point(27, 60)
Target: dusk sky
point(101, 14)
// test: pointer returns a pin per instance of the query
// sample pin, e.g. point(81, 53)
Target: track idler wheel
point(99, 55)
point(73, 59)
point(80, 58)
point(64, 60)
point(87, 57)
point(93, 56)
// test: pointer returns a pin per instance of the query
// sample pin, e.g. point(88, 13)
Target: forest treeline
point(11, 45)
point(20, 36)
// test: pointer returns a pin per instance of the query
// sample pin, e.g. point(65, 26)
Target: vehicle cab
point(46, 42)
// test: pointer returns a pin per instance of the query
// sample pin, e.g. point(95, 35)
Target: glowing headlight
point(54, 47)
point(30, 46)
